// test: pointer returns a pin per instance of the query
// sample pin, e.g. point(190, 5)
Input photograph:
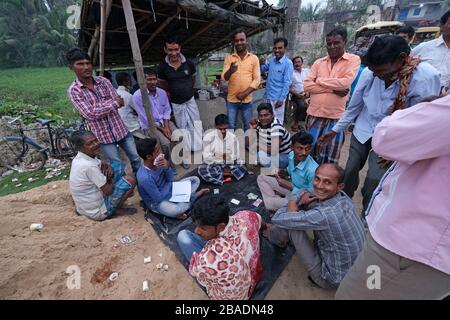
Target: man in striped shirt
point(98, 102)
point(273, 140)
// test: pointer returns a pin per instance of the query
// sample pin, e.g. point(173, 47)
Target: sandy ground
point(33, 264)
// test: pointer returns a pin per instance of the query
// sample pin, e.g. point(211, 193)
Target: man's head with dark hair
point(151, 79)
point(406, 33)
point(279, 47)
point(301, 145)
point(265, 114)
point(335, 42)
point(172, 48)
point(211, 216)
point(123, 79)
point(240, 41)
point(445, 24)
point(85, 142)
point(80, 63)
point(297, 61)
point(386, 56)
point(221, 122)
point(328, 181)
point(148, 149)
point(76, 54)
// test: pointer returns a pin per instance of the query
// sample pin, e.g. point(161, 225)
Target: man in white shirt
point(99, 190)
point(128, 111)
point(221, 154)
point(297, 92)
point(437, 52)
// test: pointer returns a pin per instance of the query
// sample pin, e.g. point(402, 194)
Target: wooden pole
point(101, 50)
point(94, 40)
point(291, 24)
point(137, 57)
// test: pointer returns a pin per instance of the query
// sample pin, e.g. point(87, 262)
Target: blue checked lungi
point(213, 173)
point(331, 152)
point(120, 187)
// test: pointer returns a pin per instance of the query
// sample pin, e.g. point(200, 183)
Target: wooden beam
point(137, 57)
point(94, 40)
point(208, 26)
point(161, 27)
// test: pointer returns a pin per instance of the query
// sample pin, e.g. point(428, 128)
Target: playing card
point(257, 203)
point(234, 201)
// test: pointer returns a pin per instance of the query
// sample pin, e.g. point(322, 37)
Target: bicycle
point(26, 154)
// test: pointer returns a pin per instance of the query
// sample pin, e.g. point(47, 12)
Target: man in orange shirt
point(329, 83)
point(241, 70)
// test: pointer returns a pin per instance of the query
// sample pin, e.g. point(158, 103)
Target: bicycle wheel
point(63, 144)
point(23, 156)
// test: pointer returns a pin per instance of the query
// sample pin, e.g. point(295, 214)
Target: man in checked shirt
point(97, 101)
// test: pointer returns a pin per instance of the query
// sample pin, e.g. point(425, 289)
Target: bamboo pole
point(101, 50)
point(94, 40)
point(137, 57)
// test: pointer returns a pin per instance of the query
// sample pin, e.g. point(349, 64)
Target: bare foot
point(201, 192)
point(182, 216)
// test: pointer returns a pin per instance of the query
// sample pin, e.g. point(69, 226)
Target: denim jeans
point(265, 160)
point(174, 209)
point(111, 150)
point(189, 243)
point(246, 113)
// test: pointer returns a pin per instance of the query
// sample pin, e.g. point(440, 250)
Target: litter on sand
point(148, 259)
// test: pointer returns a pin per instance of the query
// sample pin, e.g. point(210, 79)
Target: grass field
point(42, 90)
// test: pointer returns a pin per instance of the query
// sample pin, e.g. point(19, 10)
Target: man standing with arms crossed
point(98, 102)
point(241, 70)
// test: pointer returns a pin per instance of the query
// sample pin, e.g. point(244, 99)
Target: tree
point(34, 32)
point(311, 12)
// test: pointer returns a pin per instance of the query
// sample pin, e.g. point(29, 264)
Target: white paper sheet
point(181, 191)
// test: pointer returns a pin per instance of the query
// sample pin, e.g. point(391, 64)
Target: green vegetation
point(7, 186)
point(42, 90)
point(214, 68)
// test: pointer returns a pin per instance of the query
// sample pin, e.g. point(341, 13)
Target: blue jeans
point(265, 160)
point(127, 144)
point(246, 113)
point(189, 243)
point(174, 209)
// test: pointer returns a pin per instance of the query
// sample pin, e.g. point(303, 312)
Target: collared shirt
point(85, 182)
point(99, 108)
point(302, 174)
point(323, 80)
point(437, 53)
point(338, 232)
point(229, 266)
point(128, 111)
point(179, 80)
point(160, 107)
point(214, 147)
point(298, 78)
point(409, 213)
point(154, 185)
point(247, 75)
point(279, 79)
point(371, 101)
point(276, 129)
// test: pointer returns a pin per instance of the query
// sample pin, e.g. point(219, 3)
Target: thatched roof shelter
point(202, 26)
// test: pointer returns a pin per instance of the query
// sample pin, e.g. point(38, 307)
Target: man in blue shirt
point(275, 189)
point(393, 80)
point(280, 70)
point(155, 179)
